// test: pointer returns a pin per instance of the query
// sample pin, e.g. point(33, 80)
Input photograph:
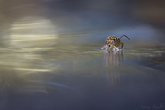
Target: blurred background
point(50, 56)
point(42, 23)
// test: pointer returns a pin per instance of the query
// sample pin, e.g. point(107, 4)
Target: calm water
point(50, 56)
point(82, 77)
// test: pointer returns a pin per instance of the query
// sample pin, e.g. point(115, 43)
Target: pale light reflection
point(114, 65)
point(27, 37)
point(33, 32)
point(26, 67)
point(24, 63)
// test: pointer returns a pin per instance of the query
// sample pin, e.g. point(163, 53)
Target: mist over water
point(51, 57)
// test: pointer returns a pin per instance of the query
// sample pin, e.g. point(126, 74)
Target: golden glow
point(31, 37)
point(32, 32)
point(33, 70)
point(26, 62)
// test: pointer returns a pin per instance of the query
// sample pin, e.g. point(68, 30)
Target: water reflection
point(35, 78)
point(114, 61)
point(19, 70)
point(28, 36)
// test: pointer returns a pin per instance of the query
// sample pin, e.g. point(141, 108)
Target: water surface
point(82, 77)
